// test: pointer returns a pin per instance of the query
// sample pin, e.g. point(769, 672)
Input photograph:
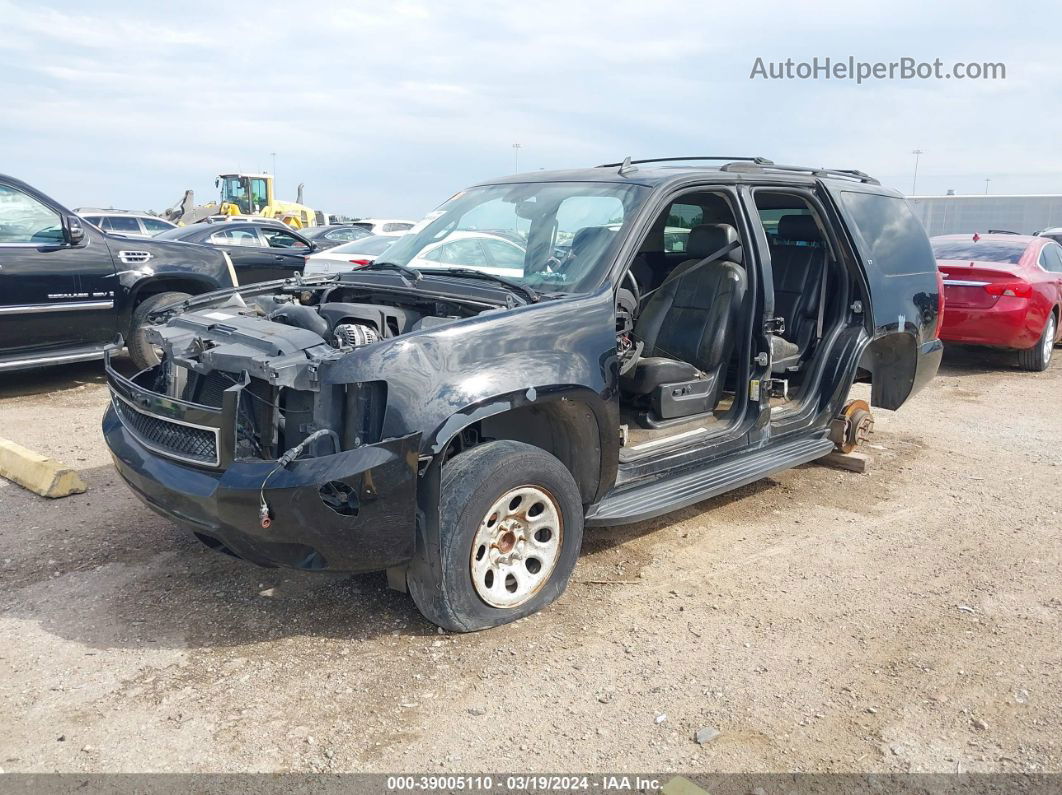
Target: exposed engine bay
point(265, 334)
point(268, 361)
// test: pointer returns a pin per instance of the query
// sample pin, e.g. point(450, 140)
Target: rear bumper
point(1007, 324)
point(370, 527)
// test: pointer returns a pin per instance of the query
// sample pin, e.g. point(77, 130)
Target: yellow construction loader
point(246, 194)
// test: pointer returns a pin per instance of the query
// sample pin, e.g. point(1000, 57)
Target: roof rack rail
point(847, 173)
point(763, 161)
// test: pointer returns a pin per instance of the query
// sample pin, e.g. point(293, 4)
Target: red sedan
point(1003, 291)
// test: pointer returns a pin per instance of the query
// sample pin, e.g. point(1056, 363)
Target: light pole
point(516, 158)
point(987, 180)
point(914, 181)
point(274, 156)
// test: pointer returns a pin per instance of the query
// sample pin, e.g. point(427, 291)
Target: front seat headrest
point(799, 228)
point(706, 239)
point(590, 239)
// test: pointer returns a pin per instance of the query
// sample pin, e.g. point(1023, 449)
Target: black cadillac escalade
point(543, 351)
point(67, 288)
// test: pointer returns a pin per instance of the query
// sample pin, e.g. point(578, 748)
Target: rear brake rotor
point(852, 426)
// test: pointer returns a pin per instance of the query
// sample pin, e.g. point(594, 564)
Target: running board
point(662, 496)
point(45, 359)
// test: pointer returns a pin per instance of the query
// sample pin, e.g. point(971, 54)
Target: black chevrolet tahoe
point(67, 288)
point(542, 352)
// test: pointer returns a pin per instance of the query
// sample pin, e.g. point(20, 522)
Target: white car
point(349, 256)
point(383, 226)
point(123, 222)
point(489, 252)
point(1055, 233)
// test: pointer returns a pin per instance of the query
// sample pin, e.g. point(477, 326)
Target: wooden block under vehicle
point(44, 476)
point(853, 462)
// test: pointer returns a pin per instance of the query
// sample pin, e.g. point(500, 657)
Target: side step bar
point(661, 496)
point(69, 356)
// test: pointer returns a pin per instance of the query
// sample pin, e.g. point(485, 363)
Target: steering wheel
point(629, 278)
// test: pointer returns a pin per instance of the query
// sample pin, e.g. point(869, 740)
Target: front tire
point(1038, 357)
point(141, 351)
point(510, 530)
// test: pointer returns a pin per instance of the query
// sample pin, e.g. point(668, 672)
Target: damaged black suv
point(543, 351)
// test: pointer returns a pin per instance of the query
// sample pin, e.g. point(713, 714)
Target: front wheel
point(510, 527)
point(141, 351)
point(1038, 357)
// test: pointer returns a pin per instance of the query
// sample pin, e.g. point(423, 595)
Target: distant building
point(947, 215)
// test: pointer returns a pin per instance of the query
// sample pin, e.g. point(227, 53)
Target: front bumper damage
point(351, 511)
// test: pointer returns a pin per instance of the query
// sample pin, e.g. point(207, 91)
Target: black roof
point(206, 230)
point(663, 171)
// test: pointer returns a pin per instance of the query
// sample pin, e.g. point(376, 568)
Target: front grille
point(193, 443)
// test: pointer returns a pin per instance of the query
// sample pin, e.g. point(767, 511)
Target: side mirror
point(75, 231)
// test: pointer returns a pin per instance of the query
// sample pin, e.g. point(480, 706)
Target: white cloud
point(388, 108)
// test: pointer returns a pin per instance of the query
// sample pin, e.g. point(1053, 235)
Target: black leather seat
point(798, 260)
point(688, 325)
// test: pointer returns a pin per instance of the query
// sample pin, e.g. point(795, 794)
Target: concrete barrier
point(44, 476)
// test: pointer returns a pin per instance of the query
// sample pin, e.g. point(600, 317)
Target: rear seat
point(798, 260)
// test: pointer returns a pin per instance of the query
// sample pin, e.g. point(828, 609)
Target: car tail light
point(361, 262)
point(940, 304)
point(1014, 289)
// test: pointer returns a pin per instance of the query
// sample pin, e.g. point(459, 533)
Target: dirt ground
point(908, 619)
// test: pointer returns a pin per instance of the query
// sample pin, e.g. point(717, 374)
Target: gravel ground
point(907, 619)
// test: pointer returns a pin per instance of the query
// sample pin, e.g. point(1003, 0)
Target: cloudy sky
point(387, 108)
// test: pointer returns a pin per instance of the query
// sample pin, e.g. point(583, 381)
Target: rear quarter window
point(891, 238)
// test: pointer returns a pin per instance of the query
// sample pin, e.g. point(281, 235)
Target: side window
point(505, 255)
point(397, 227)
point(235, 237)
point(95, 220)
point(681, 218)
point(459, 253)
point(122, 224)
point(153, 225)
point(25, 220)
point(345, 235)
point(1054, 258)
point(278, 238)
point(894, 239)
point(770, 217)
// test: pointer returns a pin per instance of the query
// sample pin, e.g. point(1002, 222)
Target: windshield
point(377, 244)
point(980, 251)
point(551, 236)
